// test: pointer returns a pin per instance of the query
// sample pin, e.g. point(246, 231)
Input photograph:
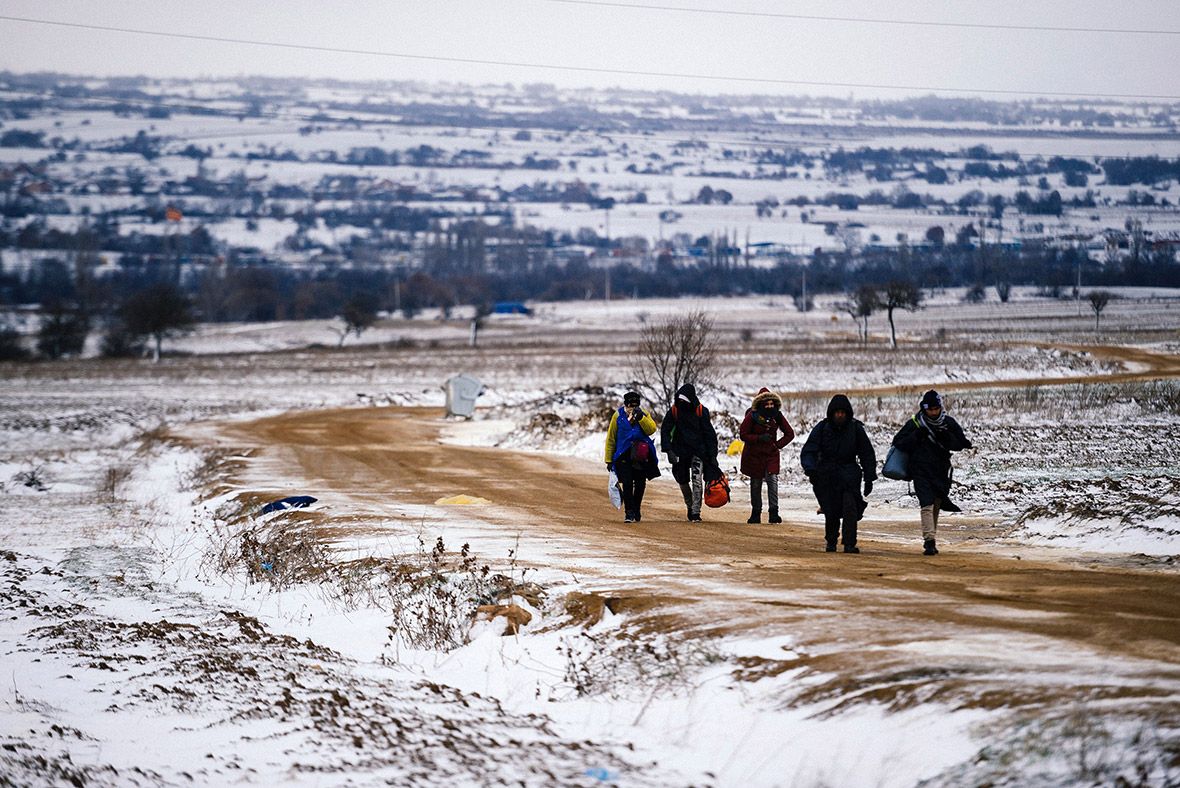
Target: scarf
point(934, 426)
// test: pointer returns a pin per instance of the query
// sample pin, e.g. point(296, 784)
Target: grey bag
point(897, 464)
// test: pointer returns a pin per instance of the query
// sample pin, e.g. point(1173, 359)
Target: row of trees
point(453, 274)
point(135, 308)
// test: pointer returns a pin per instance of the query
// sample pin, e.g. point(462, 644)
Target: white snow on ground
point(1160, 536)
point(134, 657)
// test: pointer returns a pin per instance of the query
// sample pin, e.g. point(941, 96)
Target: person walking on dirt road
point(835, 457)
point(928, 439)
point(631, 454)
point(760, 450)
point(688, 438)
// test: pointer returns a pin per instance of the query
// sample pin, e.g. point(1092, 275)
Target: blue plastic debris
point(602, 775)
point(293, 502)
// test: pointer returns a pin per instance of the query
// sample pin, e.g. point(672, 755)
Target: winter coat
point(836, 458)
point(622, 434)
point(759, 435)
point(930, 458)
point(687, 431)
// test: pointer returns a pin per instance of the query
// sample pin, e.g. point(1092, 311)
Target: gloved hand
point(671, 458)
point(868, 486)
point(610, 466)
point(765, 437)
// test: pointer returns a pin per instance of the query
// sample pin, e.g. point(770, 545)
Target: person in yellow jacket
point(631, 454)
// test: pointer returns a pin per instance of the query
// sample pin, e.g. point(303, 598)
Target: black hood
point(688, 393)
point(840, 402)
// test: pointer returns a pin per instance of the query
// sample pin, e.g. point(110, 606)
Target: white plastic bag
point(612, 487)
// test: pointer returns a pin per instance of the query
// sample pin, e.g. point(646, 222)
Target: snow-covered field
point(138, 652)
point(714, 146)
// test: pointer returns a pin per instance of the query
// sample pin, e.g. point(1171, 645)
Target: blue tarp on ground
point(511, 308)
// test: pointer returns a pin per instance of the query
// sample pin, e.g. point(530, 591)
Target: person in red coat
point(759, 434)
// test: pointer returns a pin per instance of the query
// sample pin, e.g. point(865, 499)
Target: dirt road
point(975, 626)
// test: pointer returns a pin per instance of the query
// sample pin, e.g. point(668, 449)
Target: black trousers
point(841, 513)
point(632, 483)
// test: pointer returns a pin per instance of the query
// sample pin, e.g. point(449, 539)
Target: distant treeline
point(455, 105)
point(153, 298)
point(457, 272)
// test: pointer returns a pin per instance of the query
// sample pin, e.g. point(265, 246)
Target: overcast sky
point(726, 46)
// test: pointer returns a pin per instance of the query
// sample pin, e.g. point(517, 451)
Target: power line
point(871, 20)
point(591, 69)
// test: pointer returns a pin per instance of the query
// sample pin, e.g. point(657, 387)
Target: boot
point(774, 518)
point(851, 548)
point(928, 548)
point(694, 517)
point(755, 516)
point(630, 518)
point(830, 548)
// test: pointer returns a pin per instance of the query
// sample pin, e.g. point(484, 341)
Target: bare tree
point(359, 314)
point(676, 350)
point(159, 312)
point(1098, 301)
point(899, 294)
point(63, 329)
point(860, 306)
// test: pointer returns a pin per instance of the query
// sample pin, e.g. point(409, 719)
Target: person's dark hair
point(631, 398)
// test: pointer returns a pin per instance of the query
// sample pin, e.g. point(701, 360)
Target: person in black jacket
point(836, 456)
point(688, 438)
point(929, 438)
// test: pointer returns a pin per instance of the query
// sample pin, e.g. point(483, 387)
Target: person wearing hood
point(928, 439)
point(760, 450)
point(835, 457)
point(631, 454)
point(688, 438)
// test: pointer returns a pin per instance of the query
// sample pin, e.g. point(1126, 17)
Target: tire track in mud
point(979, 625)
point(1157, 366)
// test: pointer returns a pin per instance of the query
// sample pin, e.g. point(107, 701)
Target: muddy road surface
point(985, 624)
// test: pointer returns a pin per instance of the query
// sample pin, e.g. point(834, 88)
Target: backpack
point(717, 492)
point(673, 413)
point(700, 411)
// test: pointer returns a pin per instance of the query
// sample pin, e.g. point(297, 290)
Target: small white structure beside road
point(462, 391)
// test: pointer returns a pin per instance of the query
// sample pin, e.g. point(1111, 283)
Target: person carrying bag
point(631, 454)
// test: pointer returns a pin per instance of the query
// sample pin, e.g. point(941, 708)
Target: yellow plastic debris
point(735, 448)
point(462, 500)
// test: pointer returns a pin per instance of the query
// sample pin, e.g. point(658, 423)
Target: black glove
point(671, 458)
point(765, 437)
point(868, 486)
point(610, 466)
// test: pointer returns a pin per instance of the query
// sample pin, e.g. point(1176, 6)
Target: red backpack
point(717, 492)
